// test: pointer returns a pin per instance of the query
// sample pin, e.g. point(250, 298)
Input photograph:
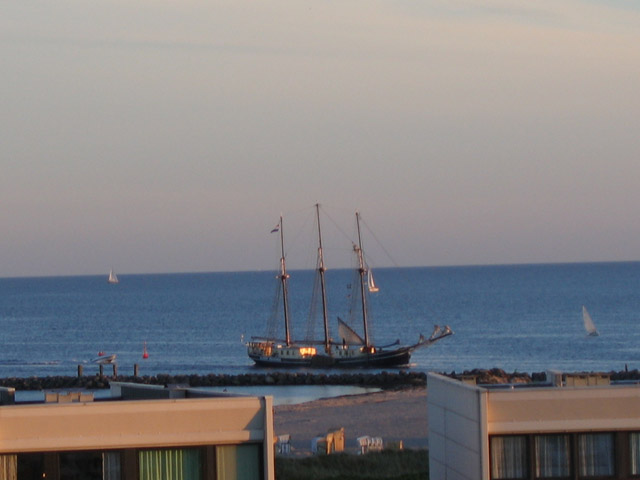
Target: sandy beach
point(392, 415)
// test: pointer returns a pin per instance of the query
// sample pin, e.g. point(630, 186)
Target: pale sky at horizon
point(168, 136)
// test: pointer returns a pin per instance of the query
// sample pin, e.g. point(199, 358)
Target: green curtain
point(238, 462)
point(170, 464)
point(9, 467)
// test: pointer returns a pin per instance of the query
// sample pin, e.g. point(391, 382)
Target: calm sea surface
point(525, 318)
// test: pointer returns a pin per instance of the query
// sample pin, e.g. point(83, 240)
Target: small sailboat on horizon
point(113, 278)
point(589, 326)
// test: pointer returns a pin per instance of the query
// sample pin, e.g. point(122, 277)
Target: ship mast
point(283, 278)
point(321, 270)
point(362, 270)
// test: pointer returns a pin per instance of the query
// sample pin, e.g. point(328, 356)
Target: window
point(238, 462)
point(111, 466)
point(509, 457)
point(564, 456)
point(170, 464)
point(83, 465)
point(38, 465)
point(9, 467)
point(552, 455)
point(634, 452)
point(80, 466)
point(225, 462)
point(596, 455)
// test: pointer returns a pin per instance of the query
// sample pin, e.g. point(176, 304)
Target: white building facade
point(578, 428)
point(142, 433)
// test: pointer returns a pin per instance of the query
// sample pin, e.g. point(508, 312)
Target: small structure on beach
point(331, 442)
point(283, 444)
point(370, 444)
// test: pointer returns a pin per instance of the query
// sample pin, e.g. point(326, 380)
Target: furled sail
point(348, 334)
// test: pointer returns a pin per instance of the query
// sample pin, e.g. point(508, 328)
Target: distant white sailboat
point(113, 278)
point(589, 326)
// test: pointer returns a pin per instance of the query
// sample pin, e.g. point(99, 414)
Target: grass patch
point(388, 464)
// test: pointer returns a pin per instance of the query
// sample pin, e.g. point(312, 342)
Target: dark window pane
point(634, 452)
point(595, 455)
point(508, 457)
point(552, 456)
point(81, 466)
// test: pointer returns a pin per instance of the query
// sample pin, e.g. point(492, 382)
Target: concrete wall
point(548, 409)
point(458, 440)
point(131, 424)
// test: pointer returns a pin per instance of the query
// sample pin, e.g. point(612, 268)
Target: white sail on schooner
point(370, 283)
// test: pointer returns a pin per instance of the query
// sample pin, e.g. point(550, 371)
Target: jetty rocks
point(394, 380)
point(497, 376)
point(383, 380)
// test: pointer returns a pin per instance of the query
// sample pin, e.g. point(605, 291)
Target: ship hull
point(388, 358)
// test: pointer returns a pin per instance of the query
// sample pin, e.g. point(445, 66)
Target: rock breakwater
point(385, 380)
point(499, 376)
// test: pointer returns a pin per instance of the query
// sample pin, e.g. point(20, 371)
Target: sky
point(168, 136)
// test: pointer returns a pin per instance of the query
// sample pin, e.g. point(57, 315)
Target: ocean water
point(522, 317)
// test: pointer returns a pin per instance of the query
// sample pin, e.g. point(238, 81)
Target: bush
point(388, 464)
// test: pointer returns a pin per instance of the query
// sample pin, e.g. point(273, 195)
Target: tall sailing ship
point(352, 349)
